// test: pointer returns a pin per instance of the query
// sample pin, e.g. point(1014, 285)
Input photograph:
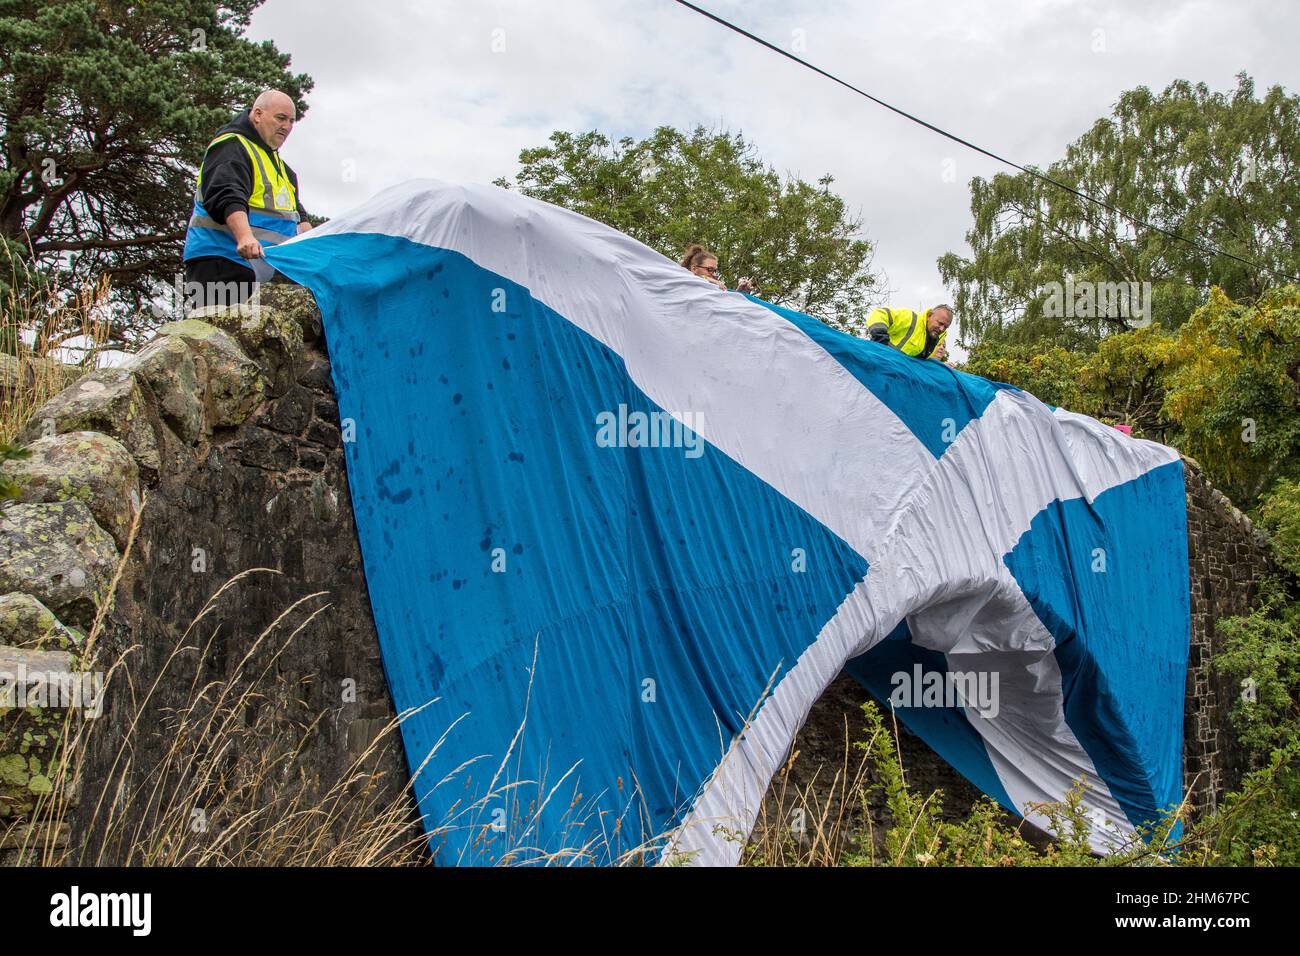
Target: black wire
point(1204, 247)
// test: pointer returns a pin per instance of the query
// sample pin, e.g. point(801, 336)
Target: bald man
point(246, 199)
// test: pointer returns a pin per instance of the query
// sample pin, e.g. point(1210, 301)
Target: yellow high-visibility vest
point(907, 329)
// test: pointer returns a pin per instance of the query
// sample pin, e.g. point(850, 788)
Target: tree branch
point(81, 245)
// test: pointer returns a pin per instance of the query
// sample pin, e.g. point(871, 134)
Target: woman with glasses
point(704, 264)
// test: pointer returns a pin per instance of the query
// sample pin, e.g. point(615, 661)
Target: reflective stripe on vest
point(203, 221)
point(207, 237)
point(905, 343)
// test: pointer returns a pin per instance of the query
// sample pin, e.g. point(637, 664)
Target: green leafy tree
point(1051, 373)
point(1262, 655)
point(106, 107)
point(1279, 514)
point(1234, 392)
point(795, 239)
point(1203, 164)
point(1126, 380)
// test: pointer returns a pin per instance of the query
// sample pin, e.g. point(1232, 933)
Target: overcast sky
point(455, 90)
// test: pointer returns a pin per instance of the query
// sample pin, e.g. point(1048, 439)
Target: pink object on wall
point(1126, 429)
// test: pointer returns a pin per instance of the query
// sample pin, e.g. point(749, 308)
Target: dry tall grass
point(34, 327)
point(817, 822)
point(227, 790)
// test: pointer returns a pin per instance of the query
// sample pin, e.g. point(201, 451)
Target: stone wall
point(220, 444)
point(226, 428)
point(1228, 556)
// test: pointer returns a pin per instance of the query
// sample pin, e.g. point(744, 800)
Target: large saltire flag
point(621, 528)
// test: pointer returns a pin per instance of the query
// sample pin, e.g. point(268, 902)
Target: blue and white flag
point(621, 528)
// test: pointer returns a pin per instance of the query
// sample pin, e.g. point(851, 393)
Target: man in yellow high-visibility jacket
point(918, 334)
point(246, 198)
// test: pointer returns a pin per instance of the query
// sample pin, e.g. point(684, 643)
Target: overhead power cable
point(1201, 245)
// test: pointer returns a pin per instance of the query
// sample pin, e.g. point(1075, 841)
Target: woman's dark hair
point(695, 254)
